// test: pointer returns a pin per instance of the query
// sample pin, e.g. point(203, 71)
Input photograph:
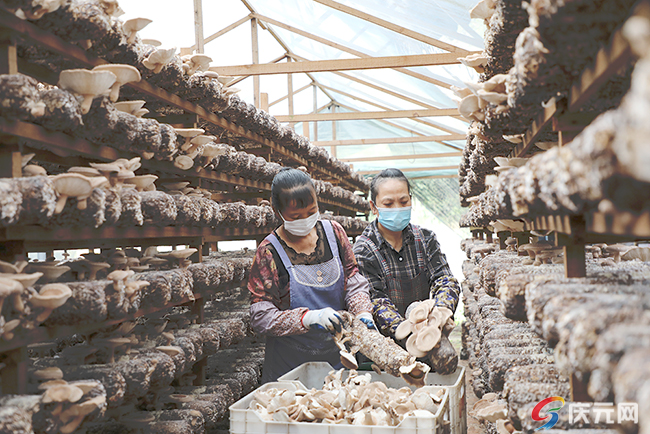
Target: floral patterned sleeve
point(264, 288)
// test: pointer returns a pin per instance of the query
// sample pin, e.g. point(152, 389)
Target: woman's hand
point(366, 318)
point(322, 319)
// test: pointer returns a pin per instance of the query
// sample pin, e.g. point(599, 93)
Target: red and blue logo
point(551, 413)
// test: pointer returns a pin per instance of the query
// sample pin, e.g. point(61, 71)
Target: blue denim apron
point(314, 287)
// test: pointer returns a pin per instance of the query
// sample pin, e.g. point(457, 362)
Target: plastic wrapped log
point(148, 137)
point(224, 331)
point(77, 21)
point(564, 312)
point(158, 208)
point(87, 305)
point(164, 368)
point(113, 382)
point(131, 208)
point(62, 111)
point(613, 344)
point(168, 144)
point(384, 352)
point(513, 341)
point(100, 122)
point(116, 302)
point(159, 291)
point(20, 97)
point(137, 373)
point(193, 420)
point(492, 264)
point(443, 357)
point(630, 381)
point(212, 411)
point(208, 209)
point(538, 294)
point(181, 284)
point(93, 216)
point(189, 351)
point(113, 209)
point(511, 291)
point(14, 420)
point(196, 338)
point(211, 339)
point(207, 276)
point(38, 200)
point(500, 363)
point(188, 211)
point(11, 200)
point(575, 349)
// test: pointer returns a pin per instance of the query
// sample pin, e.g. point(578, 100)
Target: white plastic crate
point(312, 375)
point(246, 421)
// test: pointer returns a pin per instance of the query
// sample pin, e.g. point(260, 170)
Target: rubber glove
point(322, 319)
point(366, 318)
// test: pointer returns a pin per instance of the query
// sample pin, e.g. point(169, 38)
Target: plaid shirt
point(388, 304)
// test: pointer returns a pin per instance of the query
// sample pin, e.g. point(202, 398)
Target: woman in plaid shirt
point(402, 261)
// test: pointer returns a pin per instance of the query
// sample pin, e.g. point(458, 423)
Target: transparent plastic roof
point(350, 37)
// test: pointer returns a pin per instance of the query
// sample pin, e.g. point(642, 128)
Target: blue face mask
point(394, 219)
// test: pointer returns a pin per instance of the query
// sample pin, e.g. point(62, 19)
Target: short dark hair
point(385, 175)
point(292, 186)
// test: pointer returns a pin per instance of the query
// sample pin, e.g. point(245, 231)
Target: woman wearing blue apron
point(303, 273)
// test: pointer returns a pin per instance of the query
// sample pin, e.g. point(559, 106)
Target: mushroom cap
point(225, 79)
point(84, 82)
point(640, 253)
point(160, 56)
point(492, 97)
point(189, 132)
point(51, 383)
point(473, 60)
point(7, 267)
point(34, 170)
point(130, 106)
point(106, 167)
point(211, 74)
point(616, 249)
point(26, 280)
point(136, 24)
point(183, 162)
point(86, 407)
point(51, 296)
point(51, 373)
point(125, 174)
point(123, 73)
point(202, 61)
point(468, 105)
point(152, 42)
point(118, 275)
point(142, 181)
point(9, 286)
point(482, 10)
point(86, 171)
point(461, 92)
point(96, 266)
point(211, 150)
point(72, 184)
point(49, 271)
point(202, 140)
point(170, 350)
point(183, 253)
point(62, 393)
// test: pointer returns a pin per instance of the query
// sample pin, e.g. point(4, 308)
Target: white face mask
point(301, 227)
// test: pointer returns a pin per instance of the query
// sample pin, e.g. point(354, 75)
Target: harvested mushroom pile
point(355, 400)
point(94, 26)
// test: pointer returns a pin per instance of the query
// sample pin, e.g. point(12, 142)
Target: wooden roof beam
point(346, 49)
point(221, 32)
point(386, 114)
point(403, 157)
point(388, 140)
point(293, 93)
point(410, 169)
point(339, 64)
point(394, 27)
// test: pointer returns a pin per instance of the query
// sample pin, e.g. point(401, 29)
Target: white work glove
point(322, 319)
point(366, 318)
